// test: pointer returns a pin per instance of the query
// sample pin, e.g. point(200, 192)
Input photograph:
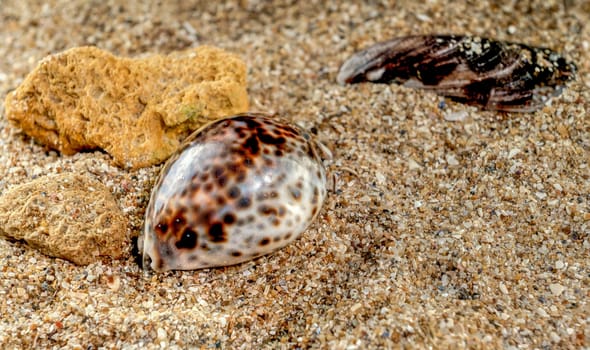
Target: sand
point(444, 228)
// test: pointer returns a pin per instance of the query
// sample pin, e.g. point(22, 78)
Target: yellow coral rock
point(137, 110)
point(68, 216)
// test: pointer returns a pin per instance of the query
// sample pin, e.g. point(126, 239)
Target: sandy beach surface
point(444, 228)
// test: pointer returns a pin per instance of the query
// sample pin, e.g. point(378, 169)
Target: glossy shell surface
point(239, 188)
point(495, 75)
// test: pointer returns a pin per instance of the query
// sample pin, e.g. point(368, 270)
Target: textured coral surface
point(68, 216)
point(138, 110)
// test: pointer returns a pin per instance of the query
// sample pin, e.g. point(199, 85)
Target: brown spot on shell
point(229, 218)
point(269, 139)
point(206, 216)
point(161, 229)
point(248, 162)
point(233, 192)
point(314, 198)
point(295, 193)
point(244, 202)
point(160, 264)
point(216, 233)
point(217, 171)
point(241, 176)
point(222, 180)
point(252, 144)
point(269, 162)
point(179, 222)
point(267, 210)
point(188, 239)
point(314, 211)
point(233, 168)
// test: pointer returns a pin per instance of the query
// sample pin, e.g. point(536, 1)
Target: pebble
point(451, 160)
point(413, 165)
point(114, 282)
point(511, 29)
point(513, 152)
point(556, 289)
point(503, 288)
point(162, 335)
point(541, 312)
point(554, 337)
point(457, 116)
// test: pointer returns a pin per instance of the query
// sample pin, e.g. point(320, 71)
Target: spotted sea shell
point(238, 188)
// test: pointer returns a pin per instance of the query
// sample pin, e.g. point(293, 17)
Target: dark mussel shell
point(494, 75)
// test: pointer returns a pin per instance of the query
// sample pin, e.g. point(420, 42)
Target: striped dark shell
point(492, 74)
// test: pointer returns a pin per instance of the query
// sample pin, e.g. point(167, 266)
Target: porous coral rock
point(137, 110)
point(68, 216)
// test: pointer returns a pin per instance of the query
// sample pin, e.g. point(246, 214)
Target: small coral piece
point(137, 110)
point(68, 216)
